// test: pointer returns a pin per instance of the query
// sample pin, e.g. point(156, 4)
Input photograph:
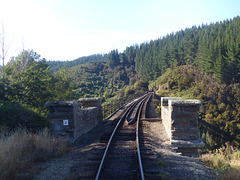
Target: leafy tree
point(29, 85)
point(62, 84)
point(29, 79)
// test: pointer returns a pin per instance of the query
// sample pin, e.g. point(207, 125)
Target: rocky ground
point(79, 162)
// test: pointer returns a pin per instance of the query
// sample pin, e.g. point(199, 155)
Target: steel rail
point(137, 136)
point(113, 133)
point(132, 107)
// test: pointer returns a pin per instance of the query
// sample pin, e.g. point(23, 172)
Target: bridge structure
point(70, 119)
point(124, 150)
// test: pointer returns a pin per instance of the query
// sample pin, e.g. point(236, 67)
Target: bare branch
point(4, 48)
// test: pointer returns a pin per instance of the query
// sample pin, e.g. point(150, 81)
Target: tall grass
point(21, 148)
point(225, 160)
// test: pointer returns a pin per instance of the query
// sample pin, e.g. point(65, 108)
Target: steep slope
point(220, 102)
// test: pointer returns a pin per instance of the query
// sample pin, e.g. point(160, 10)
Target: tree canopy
point(28, 85)
point(113, 58)
point(214, 48)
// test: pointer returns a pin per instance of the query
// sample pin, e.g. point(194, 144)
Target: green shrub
point(141, 85)
point(17, 115)
point(129, 91)
point(220, 102)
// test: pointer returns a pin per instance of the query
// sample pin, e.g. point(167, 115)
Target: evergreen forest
point(200, 62)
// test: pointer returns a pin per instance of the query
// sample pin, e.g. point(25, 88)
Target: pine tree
point(113, 58)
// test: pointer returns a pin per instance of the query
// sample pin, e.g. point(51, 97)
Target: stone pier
point(70, 119)
point(180, 119)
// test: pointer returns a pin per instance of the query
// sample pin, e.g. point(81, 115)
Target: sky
point(68, 29)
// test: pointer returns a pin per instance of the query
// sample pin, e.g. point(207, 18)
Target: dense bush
point(26, 86)
point(100, 80)
point(220, 102)
point(17, 115)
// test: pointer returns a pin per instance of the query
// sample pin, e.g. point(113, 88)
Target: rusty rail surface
point(135, 104)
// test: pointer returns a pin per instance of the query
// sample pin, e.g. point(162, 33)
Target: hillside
point(99, 80)
point(56, 65)
point(220, 101)
point(214, 49)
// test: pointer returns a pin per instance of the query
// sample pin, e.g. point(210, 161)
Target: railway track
point(122, 157)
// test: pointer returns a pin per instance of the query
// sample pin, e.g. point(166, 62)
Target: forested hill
point(214, 48)
point(56, 65)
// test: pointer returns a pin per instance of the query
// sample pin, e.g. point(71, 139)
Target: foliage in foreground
point(16, 115)
point(225, 160)
point(28, 81)
point(26, 86)
point(20, 149)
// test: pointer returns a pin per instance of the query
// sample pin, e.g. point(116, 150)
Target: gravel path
point(75, 165)
point(175, 165)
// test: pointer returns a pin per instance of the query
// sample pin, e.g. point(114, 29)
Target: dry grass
point(21, 148)
point(226, 160)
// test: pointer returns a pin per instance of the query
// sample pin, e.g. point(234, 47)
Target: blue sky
point(68, 29)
